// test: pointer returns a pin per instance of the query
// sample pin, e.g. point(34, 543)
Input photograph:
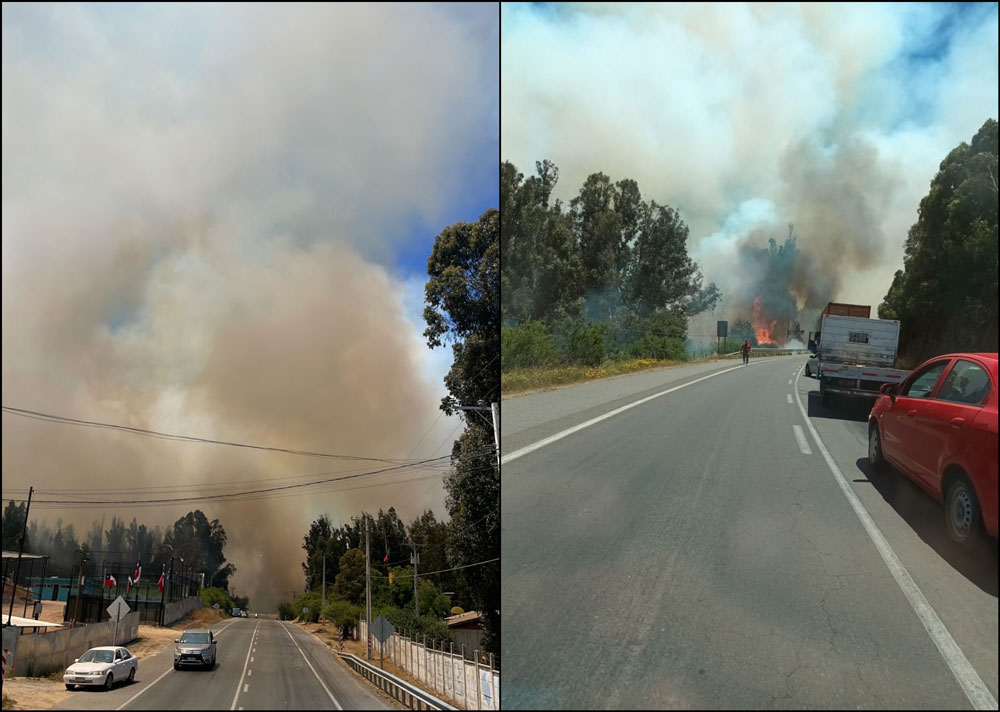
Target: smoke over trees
point(945, 297)
point(192, 537)
point(605, 276)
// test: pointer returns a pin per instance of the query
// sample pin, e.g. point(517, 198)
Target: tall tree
point(463, 306)
point(945, 297)
point(13, 525)
point(603, 251)
point(349, 584)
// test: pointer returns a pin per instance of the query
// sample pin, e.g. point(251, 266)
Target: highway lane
point(261, 665)
point(695, 551)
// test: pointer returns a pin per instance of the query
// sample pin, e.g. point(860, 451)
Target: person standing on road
point(746, 352)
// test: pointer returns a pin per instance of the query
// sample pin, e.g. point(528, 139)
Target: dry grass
point(522, 380)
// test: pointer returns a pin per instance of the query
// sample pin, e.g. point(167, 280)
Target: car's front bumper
point(192, 659)
point(95, 680)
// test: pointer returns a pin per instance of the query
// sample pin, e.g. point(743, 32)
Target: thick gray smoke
point(202, 208)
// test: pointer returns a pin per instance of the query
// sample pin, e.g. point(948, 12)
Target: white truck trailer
point(856, 356)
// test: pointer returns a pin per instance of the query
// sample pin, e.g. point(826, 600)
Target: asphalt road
point(700, 550)
point(261, 665)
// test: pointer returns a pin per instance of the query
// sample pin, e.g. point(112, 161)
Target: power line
point(257, 491)
point(456, 568)
point(48, 417)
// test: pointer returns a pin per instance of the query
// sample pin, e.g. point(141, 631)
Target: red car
point(939, 427)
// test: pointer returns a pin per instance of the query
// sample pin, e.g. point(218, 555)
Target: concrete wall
point(177, 610)
point(43, 653)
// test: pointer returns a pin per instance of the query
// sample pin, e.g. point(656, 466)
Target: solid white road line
point(510, 457)
point(968, 679)
point(788, 396)
point(130, 699)
point(318, 678)
point(237, 694)
point(800, 436)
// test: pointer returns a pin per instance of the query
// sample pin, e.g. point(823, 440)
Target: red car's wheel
point(875, 455)
point(962, 515)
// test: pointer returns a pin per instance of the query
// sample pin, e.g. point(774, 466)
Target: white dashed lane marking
point(801, 437)
point(788, 396)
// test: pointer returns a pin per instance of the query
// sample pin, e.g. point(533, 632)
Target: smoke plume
point(202, 212)
point(750, 117)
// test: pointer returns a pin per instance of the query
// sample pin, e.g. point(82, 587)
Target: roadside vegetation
point(391, 580)
point(601, 287)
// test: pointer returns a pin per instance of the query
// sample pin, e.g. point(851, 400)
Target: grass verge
point(530, 379)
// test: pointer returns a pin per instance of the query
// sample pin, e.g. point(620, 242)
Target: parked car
point(102, 666)
point(195, 647)
point(811, 369)
point(939, 428)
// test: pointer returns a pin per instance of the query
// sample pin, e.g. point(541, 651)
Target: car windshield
point(97, 656)
point(194, 638)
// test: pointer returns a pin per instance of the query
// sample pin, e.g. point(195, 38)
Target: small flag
point(138, 571)
point(159, 584)
point(130, 582)
point(109, 580)
point(386, 556)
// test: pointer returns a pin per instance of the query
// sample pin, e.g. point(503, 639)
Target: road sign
point(118, 609)
point(721, 328)
point(305, 609)
point(215, 606)
point(382, 629)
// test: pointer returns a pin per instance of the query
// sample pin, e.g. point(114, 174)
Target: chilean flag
point(109, 580)
point(130, 583)
point(386, 556)
point(138, 571)
point(159, 584)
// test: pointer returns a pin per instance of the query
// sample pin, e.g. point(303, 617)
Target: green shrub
point(585, 343)
point(527, 345)
point(312, 600)
point(285, 611)
point(403, 620)
point(211, 596)
point(658, 347)
point(343, 614)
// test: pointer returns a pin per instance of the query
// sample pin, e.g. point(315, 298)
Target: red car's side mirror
point(889, 389)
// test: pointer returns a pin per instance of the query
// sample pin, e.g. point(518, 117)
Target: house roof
point(463, 618)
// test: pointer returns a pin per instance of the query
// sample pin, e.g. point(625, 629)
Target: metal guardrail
point(770, 352)
point(400, 690)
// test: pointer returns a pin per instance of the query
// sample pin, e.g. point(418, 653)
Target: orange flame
point(762, 328)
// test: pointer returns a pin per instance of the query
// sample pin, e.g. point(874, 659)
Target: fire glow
point(762, 328)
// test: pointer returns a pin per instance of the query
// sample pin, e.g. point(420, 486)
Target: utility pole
point(79, 587)
point(17, 569)
point(496, 428)
point(494, 409)
point(368, 594)
point(415, 559)
point(323, 606)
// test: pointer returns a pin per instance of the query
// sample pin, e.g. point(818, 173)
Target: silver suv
point(195, 647)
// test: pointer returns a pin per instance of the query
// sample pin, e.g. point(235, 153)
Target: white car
point(103, 667)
